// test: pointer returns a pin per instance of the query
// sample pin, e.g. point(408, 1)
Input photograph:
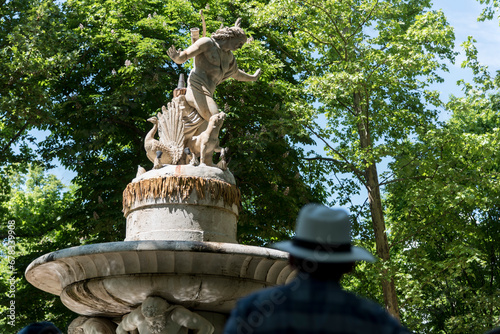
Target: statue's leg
point(204, 104)
point(208, 158)
point(203, 147)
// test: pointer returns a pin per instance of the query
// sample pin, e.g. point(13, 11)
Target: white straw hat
point(323, 235)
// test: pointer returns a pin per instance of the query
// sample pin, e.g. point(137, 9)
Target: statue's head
point(225, 33)
point(154, 307)
point(218, 119)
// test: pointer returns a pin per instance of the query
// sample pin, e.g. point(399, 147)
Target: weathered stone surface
point(182, 203)
point(157, 316)
point(92, 325)
point(206, 172)
point(111, 279)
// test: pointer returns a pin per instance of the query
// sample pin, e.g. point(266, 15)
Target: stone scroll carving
point(188, 128)
point(157, 316)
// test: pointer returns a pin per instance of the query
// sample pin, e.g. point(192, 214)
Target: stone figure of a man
point(214, 62)
point(157, 316)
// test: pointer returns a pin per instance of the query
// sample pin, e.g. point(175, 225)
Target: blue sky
point(462, 15)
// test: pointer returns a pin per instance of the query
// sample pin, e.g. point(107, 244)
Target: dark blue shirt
point(308, 305)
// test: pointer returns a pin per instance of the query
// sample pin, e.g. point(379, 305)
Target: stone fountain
point(180, 267)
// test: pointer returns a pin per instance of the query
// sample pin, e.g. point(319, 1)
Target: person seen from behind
point(314, 301)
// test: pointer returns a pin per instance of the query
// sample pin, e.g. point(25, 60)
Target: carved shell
point(171, 130)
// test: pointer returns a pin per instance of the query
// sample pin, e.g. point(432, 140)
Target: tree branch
point(346, 107)
point(364, 21)
point(125, 124)
point(319, 40)
point(350, 201)
point(358, 173)
point(420, 177)
point(291, 57)
point(412, 161)
point(13, 139)
point(341, 164)
point(334, 22)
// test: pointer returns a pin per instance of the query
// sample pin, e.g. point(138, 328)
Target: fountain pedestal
point(182, 202)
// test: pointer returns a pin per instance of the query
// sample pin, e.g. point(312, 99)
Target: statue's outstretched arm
point(242, 76)
point(200, 46)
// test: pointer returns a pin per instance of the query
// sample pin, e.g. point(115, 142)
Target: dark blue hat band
point(333, 248)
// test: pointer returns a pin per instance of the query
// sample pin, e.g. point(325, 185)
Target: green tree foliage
point(491, 8)
point(355, 74)
point(365, 67)
point(32, 215)
point(29, 61)
point(445, 221)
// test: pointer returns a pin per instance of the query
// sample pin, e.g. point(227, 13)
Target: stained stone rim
point(158, 245)
point(35, 268)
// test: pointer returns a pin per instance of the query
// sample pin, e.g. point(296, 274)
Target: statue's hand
point(174, 54)
point(256, 75)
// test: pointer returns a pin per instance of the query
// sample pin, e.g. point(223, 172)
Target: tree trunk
point(377, 213)
point(376, 210)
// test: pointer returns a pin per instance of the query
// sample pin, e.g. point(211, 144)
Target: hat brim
point(355, 254)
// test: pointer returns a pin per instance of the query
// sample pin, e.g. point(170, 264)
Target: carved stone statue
point(189, 127)
point(157, 316)
point(91, 325)
point(214, 62)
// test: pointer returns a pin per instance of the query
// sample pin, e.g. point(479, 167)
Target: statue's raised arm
point(200, 46)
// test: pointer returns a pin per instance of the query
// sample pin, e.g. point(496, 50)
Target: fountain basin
point(111, 279)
